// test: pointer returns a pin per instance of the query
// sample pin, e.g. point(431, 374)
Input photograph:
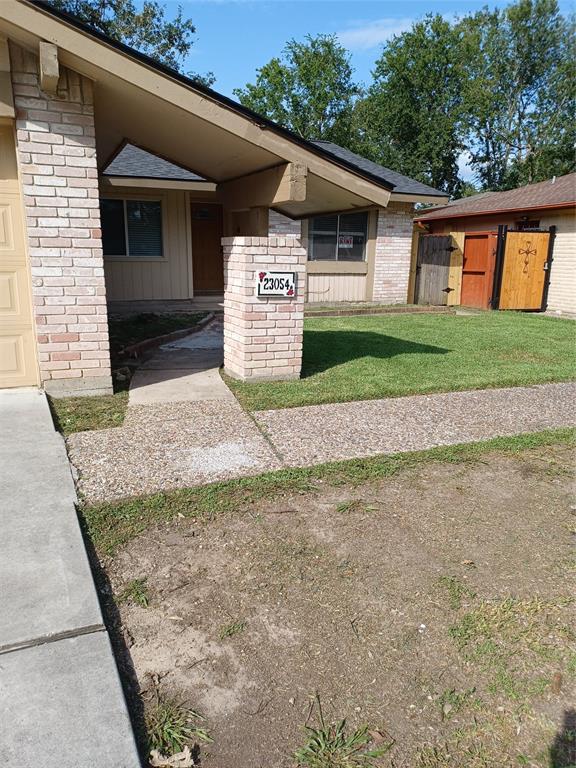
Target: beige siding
point(562, 291)
point(336, 288)
point(165, 278)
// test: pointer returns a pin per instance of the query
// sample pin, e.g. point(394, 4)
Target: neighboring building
point(473, 223)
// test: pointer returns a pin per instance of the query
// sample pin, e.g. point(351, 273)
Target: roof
point(559, 192)
point(135, 162)
point(403, 185)
point(359, 166)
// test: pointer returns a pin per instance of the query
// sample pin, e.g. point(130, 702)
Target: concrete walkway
point(183, 371)
point(61, 702)
point(173, 445)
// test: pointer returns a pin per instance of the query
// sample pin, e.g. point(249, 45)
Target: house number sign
point(276, 284)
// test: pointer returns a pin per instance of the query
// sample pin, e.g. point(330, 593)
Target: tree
point(310, 90)
point(412, 116)
point(147, 30)
point(519, 93)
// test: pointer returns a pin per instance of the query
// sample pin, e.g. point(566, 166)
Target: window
point(131, 228)
point(525, 224)
point(339, 237)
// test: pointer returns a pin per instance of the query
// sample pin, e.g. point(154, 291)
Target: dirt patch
point(434, 606)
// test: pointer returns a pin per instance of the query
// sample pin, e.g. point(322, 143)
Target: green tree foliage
point(144, 27)
point(309, 90)
point(497, 87)
point(412, 117)
point(519, 93)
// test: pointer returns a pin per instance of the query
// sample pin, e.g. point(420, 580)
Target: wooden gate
point(525, 270)
point(432, 269)
point(478, 269)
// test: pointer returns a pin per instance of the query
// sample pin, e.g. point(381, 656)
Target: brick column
point(262, 336)
point(393, 253)
point(57, 163)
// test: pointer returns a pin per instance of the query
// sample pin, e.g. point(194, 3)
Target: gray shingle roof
point(403, 185)
point(138, 163)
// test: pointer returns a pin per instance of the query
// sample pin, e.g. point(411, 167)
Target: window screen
point(338, 237)
point(131, 228)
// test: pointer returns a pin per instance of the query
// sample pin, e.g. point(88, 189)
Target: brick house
point(122, 181)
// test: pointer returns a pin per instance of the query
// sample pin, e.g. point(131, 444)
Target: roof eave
point(262, 122)
point(462, 215)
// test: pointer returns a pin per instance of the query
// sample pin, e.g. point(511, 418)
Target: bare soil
point(434, 606)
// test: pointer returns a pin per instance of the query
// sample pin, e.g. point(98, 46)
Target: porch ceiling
point(136, 101)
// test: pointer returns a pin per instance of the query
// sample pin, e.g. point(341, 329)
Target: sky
point(235, 37)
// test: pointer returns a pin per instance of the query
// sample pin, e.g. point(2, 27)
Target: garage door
point(18, 365)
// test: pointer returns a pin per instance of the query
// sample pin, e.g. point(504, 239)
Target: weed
point(171, 726)
point(136, 591)
point(452, 702)
point(330, 746)
point(456, 590)
point(354, 505)
point(229, 630)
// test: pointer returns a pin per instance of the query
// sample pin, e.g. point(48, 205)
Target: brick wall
point(278, 224)
point(57, 163)
point(393, 253)
point(262, 336)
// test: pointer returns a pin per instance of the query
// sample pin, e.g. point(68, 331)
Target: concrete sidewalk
point(175, 445)
point(61, 701)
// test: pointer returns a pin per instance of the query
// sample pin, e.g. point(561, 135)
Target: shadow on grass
point(563, 749)
point(325, 349)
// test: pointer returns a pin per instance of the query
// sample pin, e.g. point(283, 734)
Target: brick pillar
point(262, 336)
point(57, 163)
point(393, 253)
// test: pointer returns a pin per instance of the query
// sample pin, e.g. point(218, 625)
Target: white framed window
point(131, 228)
point(338, 237)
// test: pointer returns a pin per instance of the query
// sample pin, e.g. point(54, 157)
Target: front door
point(478, 269)
point(207, 258)
point(18, 367)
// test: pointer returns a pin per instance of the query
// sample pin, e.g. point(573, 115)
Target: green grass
point(171, 726)
point(78, 414)
point(230, 630)
point(332, 745)
point(367, 357)
point(112, 525)
point(136, 591)
point(456, 590)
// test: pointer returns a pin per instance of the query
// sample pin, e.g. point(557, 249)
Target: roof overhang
point(399, 197)
point(146, 104)
point(139, 182)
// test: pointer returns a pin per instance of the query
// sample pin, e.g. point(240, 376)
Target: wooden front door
point(525, 270)
point(433, 269)
point(478, 269)
point(18, 366)
point(207, 258)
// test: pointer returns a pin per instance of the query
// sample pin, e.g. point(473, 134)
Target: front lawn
point(368, 357)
